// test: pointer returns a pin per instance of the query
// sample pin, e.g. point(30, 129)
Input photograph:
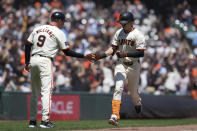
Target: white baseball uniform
point(128, 67)
point(47, 40)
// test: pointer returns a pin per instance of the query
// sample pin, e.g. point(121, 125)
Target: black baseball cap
point(125, 17)
point(58, 16)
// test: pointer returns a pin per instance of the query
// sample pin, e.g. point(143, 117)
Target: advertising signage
point(63, 107)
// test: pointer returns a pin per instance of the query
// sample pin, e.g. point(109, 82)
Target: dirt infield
point(166, 128)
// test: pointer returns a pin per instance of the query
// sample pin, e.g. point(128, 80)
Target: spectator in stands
point(92, 26)
point(108, 80)
point(182, 84)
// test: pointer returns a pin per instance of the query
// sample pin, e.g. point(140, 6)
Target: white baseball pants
point(132, 74)
point(41, 80)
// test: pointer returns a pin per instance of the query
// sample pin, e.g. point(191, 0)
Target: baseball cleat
point(138, 109)
point(47, 124)
point(113, 120)
point(32, 124)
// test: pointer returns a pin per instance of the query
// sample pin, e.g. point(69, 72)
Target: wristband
point(103, 55)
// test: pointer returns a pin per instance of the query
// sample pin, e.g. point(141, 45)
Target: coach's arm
point(72, 53)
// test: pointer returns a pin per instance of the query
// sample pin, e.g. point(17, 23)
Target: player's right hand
point(27, 67)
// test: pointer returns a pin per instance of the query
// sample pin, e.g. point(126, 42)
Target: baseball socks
point(115, 112)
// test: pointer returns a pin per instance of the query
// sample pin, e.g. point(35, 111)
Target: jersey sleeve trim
point(141, 49)
point(114, 45)
point(29, 42)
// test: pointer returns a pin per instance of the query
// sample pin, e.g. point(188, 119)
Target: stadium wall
point(87, 106)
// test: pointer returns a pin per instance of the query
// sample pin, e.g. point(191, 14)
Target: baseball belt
point(128, 63)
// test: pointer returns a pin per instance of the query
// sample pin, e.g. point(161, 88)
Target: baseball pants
point(41, 80)
point(132, 74)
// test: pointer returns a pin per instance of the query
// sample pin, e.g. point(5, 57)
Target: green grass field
point(94, 124)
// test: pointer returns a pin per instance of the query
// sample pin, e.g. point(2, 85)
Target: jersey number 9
point(41, 40)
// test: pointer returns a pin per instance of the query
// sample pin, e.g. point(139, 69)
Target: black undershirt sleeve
point(138, 53)
point(115, 49)
point(69, 52)
point(27, 52)
point(103, 56)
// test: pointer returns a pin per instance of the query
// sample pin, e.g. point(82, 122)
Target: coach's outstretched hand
point(97, 57)
point(91, 57)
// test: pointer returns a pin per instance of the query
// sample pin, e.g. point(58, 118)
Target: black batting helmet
point(58, 16)
point(125, 17)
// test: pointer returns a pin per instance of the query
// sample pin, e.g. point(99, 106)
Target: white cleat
point(113, 120)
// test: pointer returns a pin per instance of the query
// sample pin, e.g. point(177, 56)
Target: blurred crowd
point(168, 67)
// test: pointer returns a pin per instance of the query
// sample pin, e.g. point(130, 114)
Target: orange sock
point(116, 108)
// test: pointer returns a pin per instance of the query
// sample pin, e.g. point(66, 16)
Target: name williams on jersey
point(47, 31)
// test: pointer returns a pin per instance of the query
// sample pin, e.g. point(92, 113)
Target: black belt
point(128, 63)
point(42, 56)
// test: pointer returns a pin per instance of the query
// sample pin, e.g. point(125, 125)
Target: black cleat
point(138, 109)
point(47, 124)
point(32, 124)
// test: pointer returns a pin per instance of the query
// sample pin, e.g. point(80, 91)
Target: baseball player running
point(41, 46)
point(129, 44)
